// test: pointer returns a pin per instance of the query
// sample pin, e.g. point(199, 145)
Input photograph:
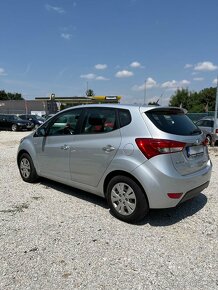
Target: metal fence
point(12, 111)
point(197, 116)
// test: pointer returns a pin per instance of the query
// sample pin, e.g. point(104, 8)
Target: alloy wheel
point(14, 127)
point(25, 168)
point(123, 199)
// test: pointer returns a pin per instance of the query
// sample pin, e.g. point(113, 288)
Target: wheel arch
point(210, 138)
point(21, 152)
point(124, 173)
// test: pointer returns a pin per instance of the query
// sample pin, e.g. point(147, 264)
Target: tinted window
point(200, 123)
point(205, 123)
point(124, 117)
point(99, 120)
point(173, 121)
point(64, 124)
point(14, 117)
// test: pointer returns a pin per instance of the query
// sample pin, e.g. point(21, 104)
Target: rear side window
point(124, 117)
point(173, 121)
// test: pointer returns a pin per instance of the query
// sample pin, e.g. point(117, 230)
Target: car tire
point(209, 139)
point(27, 168)
point(126, 199)
point(14, 127)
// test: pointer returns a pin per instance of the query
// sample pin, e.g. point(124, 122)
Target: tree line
point(10, 96)
point(194, 102)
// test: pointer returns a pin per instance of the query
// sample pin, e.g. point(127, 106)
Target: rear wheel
point(27, 168)
point(126, 199)
point(14, 127)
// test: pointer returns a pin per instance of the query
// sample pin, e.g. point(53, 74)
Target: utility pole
point(145, 91)
point(216, 107)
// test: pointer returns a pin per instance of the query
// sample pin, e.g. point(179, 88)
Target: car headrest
point(94, 121)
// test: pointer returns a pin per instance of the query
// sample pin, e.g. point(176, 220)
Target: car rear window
point(173, 121)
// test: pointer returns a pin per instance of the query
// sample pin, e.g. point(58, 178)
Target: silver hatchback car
point(136, 157)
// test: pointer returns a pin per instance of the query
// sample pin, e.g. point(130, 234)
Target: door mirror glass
point(40, 132)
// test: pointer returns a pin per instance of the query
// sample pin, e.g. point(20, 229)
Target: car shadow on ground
point(155, 218)
point(92, 198)
point(170, 216)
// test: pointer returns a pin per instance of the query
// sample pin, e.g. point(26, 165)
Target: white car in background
point(207, 126)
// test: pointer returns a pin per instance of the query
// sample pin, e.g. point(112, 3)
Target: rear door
point(96, 145)
point(8, 122)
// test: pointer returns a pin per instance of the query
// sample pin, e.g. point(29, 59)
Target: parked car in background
point(207, 126)
point(14, 123)
point(48, 116)
point(136, 157)
point(35, 119)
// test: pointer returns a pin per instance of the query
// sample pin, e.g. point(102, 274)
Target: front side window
point(64, 124)
point(99, 120)
point(14, 118)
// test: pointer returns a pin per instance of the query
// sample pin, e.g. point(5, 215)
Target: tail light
point(153, 147)
point(175, 195)
point(216, 131)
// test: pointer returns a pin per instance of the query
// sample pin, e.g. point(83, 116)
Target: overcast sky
point(115, 47)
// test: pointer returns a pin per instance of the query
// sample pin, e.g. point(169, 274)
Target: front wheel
point(14, 128)
point(27, 168)
point(126, 199)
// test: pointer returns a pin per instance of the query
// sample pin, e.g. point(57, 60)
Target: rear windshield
point(173, 121)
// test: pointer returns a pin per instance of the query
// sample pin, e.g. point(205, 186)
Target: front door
point(53, 149)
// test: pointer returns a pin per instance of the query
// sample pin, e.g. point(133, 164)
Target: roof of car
point(125, 106)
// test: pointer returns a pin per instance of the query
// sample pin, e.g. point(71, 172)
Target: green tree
point(207, 97)
point(197, 102)
point(181, 98)
point(3, 95)
point(10, 96)
point(90, 93)
point(153, 103)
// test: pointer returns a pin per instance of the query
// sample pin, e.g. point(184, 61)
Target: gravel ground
point(56, 237)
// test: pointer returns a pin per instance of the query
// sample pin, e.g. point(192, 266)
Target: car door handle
point(108, 148)
point(65, 147)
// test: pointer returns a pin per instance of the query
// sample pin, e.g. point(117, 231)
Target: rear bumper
point(194, 192)
point(158, 184)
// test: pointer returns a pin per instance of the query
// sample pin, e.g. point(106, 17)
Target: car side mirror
point(40, 132)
